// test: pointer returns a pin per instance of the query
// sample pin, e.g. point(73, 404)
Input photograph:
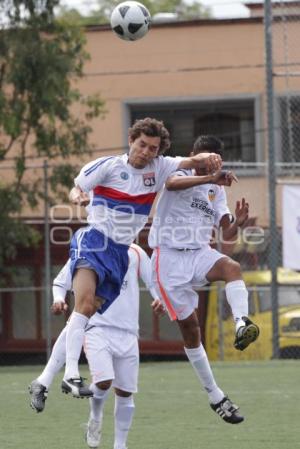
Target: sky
point(226, 8)
point(219, 8)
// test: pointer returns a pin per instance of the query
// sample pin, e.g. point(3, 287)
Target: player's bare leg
point(196, 354)
point(86, 304)
point(226, 269)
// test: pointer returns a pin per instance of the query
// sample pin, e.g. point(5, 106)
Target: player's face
point(143, 150)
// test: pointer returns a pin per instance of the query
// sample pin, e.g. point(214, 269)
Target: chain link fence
point(274, 293)
point(282, 94)
point(27, 327)
point(286, 76)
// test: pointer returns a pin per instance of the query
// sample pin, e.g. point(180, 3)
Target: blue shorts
point(92, 249)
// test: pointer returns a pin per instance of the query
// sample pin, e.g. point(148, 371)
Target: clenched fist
point(210, 162)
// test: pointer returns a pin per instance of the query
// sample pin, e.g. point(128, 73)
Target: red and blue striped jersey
point(121, 195)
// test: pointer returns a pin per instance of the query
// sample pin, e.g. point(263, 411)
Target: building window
point(289, 112)
point(233, 121)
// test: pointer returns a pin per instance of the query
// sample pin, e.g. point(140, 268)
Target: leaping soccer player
point(191, 205)
point(123, 189)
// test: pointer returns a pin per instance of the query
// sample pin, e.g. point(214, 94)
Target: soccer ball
point(130, 20)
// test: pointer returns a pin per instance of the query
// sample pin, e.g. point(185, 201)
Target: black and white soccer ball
point(130, 20)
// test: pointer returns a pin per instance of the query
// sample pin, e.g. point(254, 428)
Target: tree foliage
point(40, 62)
point(101, 14)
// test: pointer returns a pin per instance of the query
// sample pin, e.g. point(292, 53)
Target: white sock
point(74, 342)
point(237, 297)
point(97, 402)
point(124, 410)
point(199, 360)
point(56, 360)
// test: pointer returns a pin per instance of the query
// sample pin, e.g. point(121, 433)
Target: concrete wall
point(196, 60)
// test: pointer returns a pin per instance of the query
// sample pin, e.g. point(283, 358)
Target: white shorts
point(175, 275)
point(113, 354)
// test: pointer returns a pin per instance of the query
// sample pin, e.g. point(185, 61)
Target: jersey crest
point(149, 179)
point(211, 194)
point(124, 175)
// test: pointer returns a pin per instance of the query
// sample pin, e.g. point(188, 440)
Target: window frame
point(249, 169)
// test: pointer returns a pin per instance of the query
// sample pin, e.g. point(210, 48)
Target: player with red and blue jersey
point(121, 191)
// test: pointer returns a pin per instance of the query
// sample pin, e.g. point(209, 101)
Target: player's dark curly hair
point(210, 144)
point(151, 128)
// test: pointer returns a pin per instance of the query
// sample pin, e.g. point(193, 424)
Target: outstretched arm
point(176, 182)
point(145, 270)
point(145, 274)
point(241, 216)
point(61, 284)
point(211, 162)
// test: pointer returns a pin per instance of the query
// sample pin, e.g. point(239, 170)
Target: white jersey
point(122, 196)
point(124, 311)
point(185, 218)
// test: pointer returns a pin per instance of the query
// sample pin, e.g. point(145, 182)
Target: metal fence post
point(47, 262)
point(273, 254)
point(220, 297)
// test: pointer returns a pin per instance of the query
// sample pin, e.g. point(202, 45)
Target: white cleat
point(93, 433)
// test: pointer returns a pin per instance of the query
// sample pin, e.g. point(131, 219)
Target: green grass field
point(171, 410)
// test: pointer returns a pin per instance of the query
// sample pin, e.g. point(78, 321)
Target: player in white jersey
point(123, 190)
point(190, 206)
point(111, 345)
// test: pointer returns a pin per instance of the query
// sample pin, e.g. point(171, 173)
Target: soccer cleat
point(77, 387)
point(38, 395)
point(246, 334)
point(228, 411)
point(93, 433)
